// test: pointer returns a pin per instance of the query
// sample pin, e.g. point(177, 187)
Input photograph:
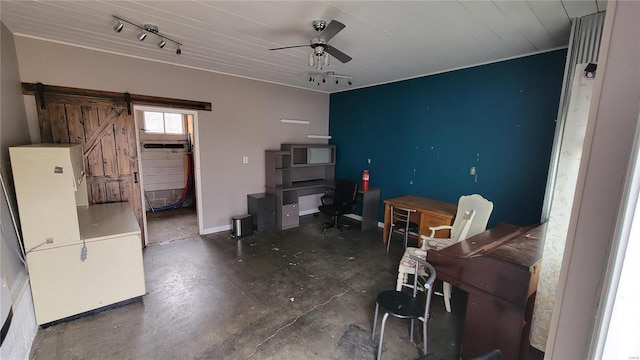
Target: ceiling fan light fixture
point(178, 51)
point(319, 56)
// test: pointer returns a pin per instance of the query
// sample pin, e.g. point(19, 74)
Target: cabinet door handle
point(135, 177)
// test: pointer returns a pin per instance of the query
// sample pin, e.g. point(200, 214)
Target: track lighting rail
point(147, 29)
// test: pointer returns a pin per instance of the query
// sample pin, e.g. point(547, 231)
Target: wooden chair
point(401, 224)
point(471, 219)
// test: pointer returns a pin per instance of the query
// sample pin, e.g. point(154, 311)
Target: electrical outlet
point(245, 159)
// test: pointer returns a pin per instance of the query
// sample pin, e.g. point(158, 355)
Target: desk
point(428, 213)
point(287, 211)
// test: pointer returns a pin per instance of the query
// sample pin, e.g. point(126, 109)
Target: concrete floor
point(293, 294)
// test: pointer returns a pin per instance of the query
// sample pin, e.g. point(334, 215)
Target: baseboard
point(309, 212)
point(214, 230)
point(22, 331)
point(359, 218)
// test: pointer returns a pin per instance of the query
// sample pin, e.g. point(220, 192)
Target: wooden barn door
point(107, 133)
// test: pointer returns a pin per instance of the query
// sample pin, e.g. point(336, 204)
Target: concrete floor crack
point(294, 321)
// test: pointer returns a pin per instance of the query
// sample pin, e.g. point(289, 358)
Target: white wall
point(13, 131)
point(608, 143)
point(244, 120)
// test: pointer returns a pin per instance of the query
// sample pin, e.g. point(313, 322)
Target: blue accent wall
point(424, 135)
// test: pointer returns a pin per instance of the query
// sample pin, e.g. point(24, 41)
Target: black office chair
point(341, 202)
point(407, 306)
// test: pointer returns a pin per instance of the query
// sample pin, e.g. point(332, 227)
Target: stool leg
point(411, 330)
point(424, 334)
point(384, 321)
point(375, 319)
point(446, 292)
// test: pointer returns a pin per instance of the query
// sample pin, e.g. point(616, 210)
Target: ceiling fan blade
point(289, 47)
point(332, 29)
point(338, 54)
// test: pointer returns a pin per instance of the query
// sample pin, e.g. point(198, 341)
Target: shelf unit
point(297, 170)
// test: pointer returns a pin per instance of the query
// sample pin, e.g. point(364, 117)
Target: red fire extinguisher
point(365, 180)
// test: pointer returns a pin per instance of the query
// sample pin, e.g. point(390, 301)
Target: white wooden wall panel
point(162, 169)
point(553, 19)
point(522, 17)
point(580, 8)
point(163, 186)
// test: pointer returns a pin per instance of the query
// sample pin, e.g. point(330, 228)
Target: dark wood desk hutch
point(298, 170)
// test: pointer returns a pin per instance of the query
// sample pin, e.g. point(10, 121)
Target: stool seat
point(400, 305)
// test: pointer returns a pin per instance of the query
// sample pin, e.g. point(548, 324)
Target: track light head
point(162, 43)
point(349, 82)
point(337, 81)
point(118, 27)
point(142, 36)
point(178, 51)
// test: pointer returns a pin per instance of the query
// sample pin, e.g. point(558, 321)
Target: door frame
point(196, 160)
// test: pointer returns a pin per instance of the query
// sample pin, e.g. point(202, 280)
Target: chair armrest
point(436, 228)
point(327, 200)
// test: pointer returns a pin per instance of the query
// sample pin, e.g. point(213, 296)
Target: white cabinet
point(80, 257)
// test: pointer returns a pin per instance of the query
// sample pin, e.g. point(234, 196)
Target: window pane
point(153, 122)
point(173, 123)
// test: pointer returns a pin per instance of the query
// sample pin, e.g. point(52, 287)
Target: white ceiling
point(388, 40)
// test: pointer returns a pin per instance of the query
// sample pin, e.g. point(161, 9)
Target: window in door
point(163, 123)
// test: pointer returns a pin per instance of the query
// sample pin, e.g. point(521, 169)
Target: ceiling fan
point(321, 49)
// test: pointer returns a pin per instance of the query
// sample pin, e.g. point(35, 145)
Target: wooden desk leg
point(423, 227)
point(387, 221)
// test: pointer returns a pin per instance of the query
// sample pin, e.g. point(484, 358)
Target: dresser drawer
point(290, 216)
